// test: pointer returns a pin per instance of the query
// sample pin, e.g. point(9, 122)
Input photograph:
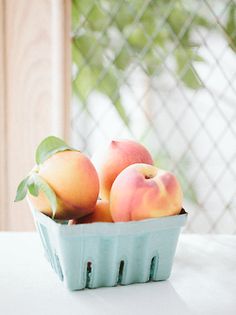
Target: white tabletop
point(203, 281)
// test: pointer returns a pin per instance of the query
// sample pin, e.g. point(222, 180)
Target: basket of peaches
point(115, 224)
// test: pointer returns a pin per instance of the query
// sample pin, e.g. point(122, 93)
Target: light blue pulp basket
point(108, 254)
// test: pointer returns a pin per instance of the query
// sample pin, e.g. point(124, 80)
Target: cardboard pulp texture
point(108, 254)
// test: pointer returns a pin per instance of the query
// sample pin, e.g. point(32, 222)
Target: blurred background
point(159, 72)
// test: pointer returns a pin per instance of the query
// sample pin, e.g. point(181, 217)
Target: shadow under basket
point(108, 254)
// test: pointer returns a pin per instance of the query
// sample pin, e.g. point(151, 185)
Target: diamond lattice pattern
point(163, 73)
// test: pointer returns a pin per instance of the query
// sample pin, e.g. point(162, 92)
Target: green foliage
point(34, 183)
point(43, 186)
point(22, 189)
point(109, 36)
point(48, 147)
point(32, 186)
point(230, 29)
point(187, 71)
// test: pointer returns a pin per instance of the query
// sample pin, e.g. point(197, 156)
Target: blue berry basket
point(108, 254)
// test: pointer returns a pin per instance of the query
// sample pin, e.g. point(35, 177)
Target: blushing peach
point(118, 156)
point(143, 191)
point(101, 213)
point(75, 182)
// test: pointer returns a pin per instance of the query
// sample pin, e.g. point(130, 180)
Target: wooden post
point(35, 95)
point(3, 164)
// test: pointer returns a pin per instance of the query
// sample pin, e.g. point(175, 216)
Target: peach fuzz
point(75, 182)
point(143, 191)
point(101, 213)
point(119, 155)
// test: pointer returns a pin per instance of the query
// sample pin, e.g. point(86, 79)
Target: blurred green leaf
point(197, 58)
point(124, 18)
point(231, 26)
point(90, 50)
point(200, 20)
point(123, 59)
point(102, 29)
point(85, 81)
point(153, 63)
point(121, 111)
point(74, 17)
point(161, 38)
point(84, 43)
point(97, 20)
point(185, 68)
point(109, 86)
point(190, 77)
point(177, 22)
point(137, 39)
point(77, 56)
point(82, 7)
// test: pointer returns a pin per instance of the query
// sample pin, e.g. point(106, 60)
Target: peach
point(118, 156)
point(143, 191)
point(75, 182)
point(101, 213)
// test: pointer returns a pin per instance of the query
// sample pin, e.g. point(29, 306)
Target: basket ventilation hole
point(152, 268)
point(88, 274)
point(121, 270)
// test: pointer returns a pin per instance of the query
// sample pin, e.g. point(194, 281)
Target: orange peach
point(75, 182)
point(101, 213)
point(143, 191)
point(118, 156)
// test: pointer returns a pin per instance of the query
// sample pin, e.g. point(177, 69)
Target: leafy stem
point(34, 183)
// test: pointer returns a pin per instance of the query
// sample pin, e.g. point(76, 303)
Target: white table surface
point(203, 281)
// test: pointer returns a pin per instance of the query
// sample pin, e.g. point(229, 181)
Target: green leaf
point(82, 7)
point(137, 39)
point(121, 111)
point(77, 57)
point(177, 19)
point(85, 81)
point(50, 146)
point(191, 78)
point(97, 20)
point(43, 186)
point(33, 188)
point(86, 47)
point(202, 21)
point(75, 17)
point(198, 58)
point(122, 59)
point(125, 17)
point(185, 69)
point(109, 86)
point(22, 189)
point(231, 26)
point(153, 63)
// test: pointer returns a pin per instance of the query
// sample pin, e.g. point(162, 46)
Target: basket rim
point(112, 228)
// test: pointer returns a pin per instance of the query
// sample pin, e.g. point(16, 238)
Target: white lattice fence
point(164, 73)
